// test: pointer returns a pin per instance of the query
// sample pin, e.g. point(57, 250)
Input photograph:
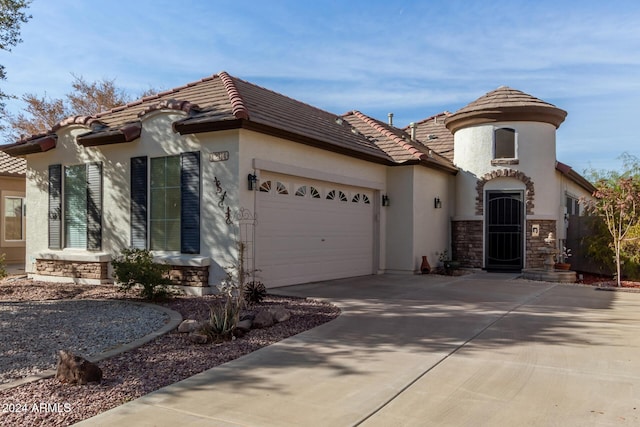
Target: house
point(312, 195)
point(12, 209)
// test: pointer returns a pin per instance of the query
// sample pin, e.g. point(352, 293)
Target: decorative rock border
point(174, 320)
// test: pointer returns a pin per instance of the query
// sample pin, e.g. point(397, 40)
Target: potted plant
point(562, 259)
point(448, 264)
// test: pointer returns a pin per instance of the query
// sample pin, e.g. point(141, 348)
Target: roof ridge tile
point(238, 108)
point(392, 136)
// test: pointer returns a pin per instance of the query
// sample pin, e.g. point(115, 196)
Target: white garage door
point(309, 230)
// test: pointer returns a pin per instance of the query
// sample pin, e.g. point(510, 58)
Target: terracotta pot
point(562, 266)
point(425, 268)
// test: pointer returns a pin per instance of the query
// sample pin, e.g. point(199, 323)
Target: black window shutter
point(139, 202)
point(55, 206)
point(94, 206)
point(190, 203)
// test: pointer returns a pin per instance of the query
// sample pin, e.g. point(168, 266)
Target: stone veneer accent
point(467, 243)
point(505, 173)
point(187, 275)
point(75, 269)
point(535, 258)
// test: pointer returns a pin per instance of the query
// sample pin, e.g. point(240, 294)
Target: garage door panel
point(302, 239)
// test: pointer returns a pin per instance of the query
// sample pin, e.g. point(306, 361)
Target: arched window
point(504, 140)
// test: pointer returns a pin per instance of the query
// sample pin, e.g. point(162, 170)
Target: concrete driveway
point(482, 349)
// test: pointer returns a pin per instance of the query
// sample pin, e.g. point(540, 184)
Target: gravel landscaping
point(127, 376)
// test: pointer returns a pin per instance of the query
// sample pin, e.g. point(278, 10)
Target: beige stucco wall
point(246, 149)
point(414, 227)
point(536, 153)
point(14, 250)
point(116, 177)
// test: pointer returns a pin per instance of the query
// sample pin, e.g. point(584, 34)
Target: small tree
point(617, 201)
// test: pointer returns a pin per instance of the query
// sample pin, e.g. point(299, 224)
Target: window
point(361, 198)
point(165, 203)
point(14, 218)
point(336, 195)
point(504, 143)
point(573, 205)
point(75, 206)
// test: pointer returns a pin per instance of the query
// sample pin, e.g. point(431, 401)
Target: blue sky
point(412, 58)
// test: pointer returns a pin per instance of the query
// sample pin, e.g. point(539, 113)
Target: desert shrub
point(3, 267)
point(224, 315)
point(135, 268)
point(254, 292)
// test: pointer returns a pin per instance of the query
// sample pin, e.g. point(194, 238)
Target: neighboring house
point(12, 210)
point(190, 172)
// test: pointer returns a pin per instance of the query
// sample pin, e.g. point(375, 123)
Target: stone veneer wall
point(535, 258)
point(181, 275)
point(186, 275)
point(74, 269)
point(467, 243)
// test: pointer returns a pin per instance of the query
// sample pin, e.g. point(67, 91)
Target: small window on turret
point(504, 143)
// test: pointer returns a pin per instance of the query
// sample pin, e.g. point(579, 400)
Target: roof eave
point(194, 126)
point(127, 133)
point(38, 145)
point(553, 116)
point(574, 176)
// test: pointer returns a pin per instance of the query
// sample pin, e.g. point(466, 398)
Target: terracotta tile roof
point(218, 102)
point(505, 104)
point(396, 142)
point(12, 166)
point(433, 133)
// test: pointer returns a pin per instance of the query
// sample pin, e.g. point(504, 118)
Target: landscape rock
point(244, 325)
point(76, 370)
point(199, 338)
point(263, 319)
point(280, 314)
point(188, 325)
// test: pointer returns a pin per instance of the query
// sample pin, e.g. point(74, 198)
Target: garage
point(310, 230)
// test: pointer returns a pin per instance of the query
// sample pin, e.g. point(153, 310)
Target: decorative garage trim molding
point(269, 166)
point(505, 173)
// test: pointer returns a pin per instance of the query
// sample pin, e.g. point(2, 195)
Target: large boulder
point(76, 370)
point(280, 314)
point(263, 319)
point(188, 325)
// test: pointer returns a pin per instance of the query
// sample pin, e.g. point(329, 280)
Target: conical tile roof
point(505, 104)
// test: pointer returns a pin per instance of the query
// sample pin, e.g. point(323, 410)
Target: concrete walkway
point(426, 350)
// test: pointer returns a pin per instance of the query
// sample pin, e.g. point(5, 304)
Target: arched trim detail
point(505, 173)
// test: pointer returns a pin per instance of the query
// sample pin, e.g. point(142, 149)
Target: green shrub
point(3, 267)
point(223, 318)
point(254, 292)
point(136, 268)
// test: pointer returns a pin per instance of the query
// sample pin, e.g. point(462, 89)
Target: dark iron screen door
point(504, 220)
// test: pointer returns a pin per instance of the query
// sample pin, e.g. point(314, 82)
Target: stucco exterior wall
point(431, 224)
point(415, 228)
point(536, 154)
point(157, 139)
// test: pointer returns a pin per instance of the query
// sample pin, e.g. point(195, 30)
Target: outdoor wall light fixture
point(252, 179)
point(385, 200)
point(437, 204)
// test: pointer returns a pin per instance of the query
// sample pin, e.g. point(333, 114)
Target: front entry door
point(504, 227)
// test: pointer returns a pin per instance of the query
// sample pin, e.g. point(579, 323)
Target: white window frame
point(13, 195)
